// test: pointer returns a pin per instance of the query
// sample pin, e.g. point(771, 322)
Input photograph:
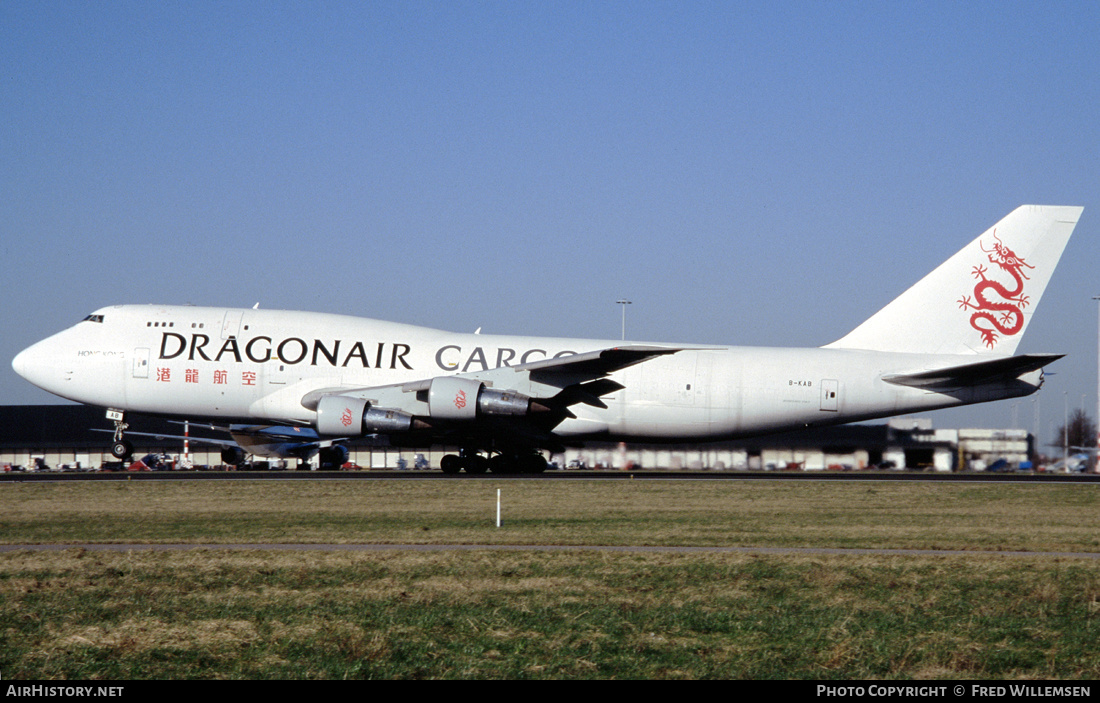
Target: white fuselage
point(260, 364)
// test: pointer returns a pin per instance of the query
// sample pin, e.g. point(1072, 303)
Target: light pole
point(1096, 460)
point(624, 303)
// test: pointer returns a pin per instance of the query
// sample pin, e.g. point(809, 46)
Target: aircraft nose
point(33, 364)
point(19, 363)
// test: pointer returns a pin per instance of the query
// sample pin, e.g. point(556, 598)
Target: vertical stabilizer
point(981, 300)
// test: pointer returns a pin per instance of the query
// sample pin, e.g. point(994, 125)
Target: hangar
point(72, 437)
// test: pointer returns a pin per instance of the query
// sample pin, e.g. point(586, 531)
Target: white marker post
point(498, 507)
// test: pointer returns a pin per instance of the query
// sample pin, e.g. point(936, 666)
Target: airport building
point(898, 444)
point(77, 437)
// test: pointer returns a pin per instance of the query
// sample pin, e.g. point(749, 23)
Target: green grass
point(84, 614)
point(684, 513)
point(92, 615)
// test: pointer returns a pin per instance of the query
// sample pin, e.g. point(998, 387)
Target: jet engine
point(233, 456)
point(334, 456)
point(454, 398)
point(448, 398)
point(344, 415)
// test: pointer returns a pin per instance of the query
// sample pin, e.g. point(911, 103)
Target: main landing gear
point(472, 462)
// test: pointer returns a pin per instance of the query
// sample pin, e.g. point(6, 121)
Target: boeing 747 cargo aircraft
point(947, 341)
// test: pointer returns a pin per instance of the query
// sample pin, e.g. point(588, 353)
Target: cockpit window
point(93, 318)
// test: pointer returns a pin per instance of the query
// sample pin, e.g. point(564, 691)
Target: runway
point(611, 475)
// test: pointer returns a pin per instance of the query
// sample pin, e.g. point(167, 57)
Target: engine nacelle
point(340, 415)
point(343, 415)
point(335, 456)
point(449, 398)
point(233, 456)
point(455, 398)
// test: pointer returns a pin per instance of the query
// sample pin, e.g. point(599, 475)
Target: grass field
point(209, 613)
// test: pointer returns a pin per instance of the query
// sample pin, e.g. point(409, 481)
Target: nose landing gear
point(121, 447)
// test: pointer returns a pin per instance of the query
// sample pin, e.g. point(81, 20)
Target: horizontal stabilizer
point(992, 371)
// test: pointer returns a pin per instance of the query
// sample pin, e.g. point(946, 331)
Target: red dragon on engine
point(1005, 317)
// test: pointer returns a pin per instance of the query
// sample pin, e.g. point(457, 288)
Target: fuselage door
point(231, 326)
point(830, 395)
point(141, 363)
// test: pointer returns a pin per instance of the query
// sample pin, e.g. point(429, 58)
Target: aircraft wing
point(595, 364)
point(557, 373)
point(292, 434)
point(520, 403)
point(160, 436)
point(261, 440)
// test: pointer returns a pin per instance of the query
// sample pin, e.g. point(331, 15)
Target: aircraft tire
point(502, 464)
point(122, 449)
point(533, 464)
point(476, 465)
point(450, 464)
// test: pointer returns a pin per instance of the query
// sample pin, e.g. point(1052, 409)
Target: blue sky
point(763, 173)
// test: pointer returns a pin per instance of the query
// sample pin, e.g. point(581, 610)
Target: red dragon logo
point(460, 400)
point(346, 418)
point(1004, 317)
